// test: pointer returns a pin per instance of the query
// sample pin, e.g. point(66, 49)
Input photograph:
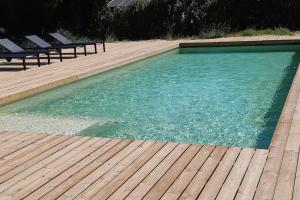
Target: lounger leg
point(38, 60)
point(103, 46)
point(48, 56)
point(75, 53)
point(24, 63)
point(60, 55)
point(95, 45)
point(84, 47)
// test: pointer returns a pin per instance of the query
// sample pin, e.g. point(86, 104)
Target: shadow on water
point(272, 116)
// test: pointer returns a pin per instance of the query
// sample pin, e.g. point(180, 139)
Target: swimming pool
point(229, 96)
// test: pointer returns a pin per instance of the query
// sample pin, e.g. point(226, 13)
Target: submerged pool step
point(43, 124)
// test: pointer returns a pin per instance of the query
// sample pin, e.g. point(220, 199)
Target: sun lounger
point(63, 40)
point(23, 57)
point(20, 53)
point(45, 45)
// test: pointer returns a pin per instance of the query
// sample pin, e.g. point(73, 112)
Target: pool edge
point(237, 42)
point(284, 123)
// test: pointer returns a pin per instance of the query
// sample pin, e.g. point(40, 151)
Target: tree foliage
point(146, 19)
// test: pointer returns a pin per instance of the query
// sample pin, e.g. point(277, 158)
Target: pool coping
point(236, 42)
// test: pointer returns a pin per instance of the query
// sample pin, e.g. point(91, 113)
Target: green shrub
point(72, 36)
point(214, 31)
point(283, 31)
point(268, 31)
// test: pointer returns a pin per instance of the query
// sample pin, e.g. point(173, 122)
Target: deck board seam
point(97, 166)
point(202, 146)
point(39, 155)
point(212, 173)
point(131, 175)
point(226, 175)
point(147, 174)
point(281, 156)
point(294, 185)
point(96, 157)
point(12, 160)
point(64, 169)
point(260, 176)
point(244, 174)
point(214, 147)
point(88, 139)
point(18, 149)
point(168, 170)
point(94, 183)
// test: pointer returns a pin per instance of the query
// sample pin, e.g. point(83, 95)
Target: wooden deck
point(42, 166)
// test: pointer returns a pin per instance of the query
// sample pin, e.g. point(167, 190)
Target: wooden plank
point(28, 149)
point(287, 176)
point(134, 167)
point(296, 192)
point(14, 153)
point(268, 180)
point(15, 143)
point(171, 150)
point(216, 181)
point(35, 160)
point(250, 181)
point(166, 181)
point(143, 187)
point(235, 177)
point(26, 142)
point(188, 174)
point(95, 181)
point(36, 180)
point(73, 175)
point(197, 184)
point(58, 165)
point(7, 136)
point(2, 133)
point(46, 143)
point(17, 139)
point(38, 166)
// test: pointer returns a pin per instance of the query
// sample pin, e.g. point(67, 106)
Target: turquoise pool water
point(222, 96)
